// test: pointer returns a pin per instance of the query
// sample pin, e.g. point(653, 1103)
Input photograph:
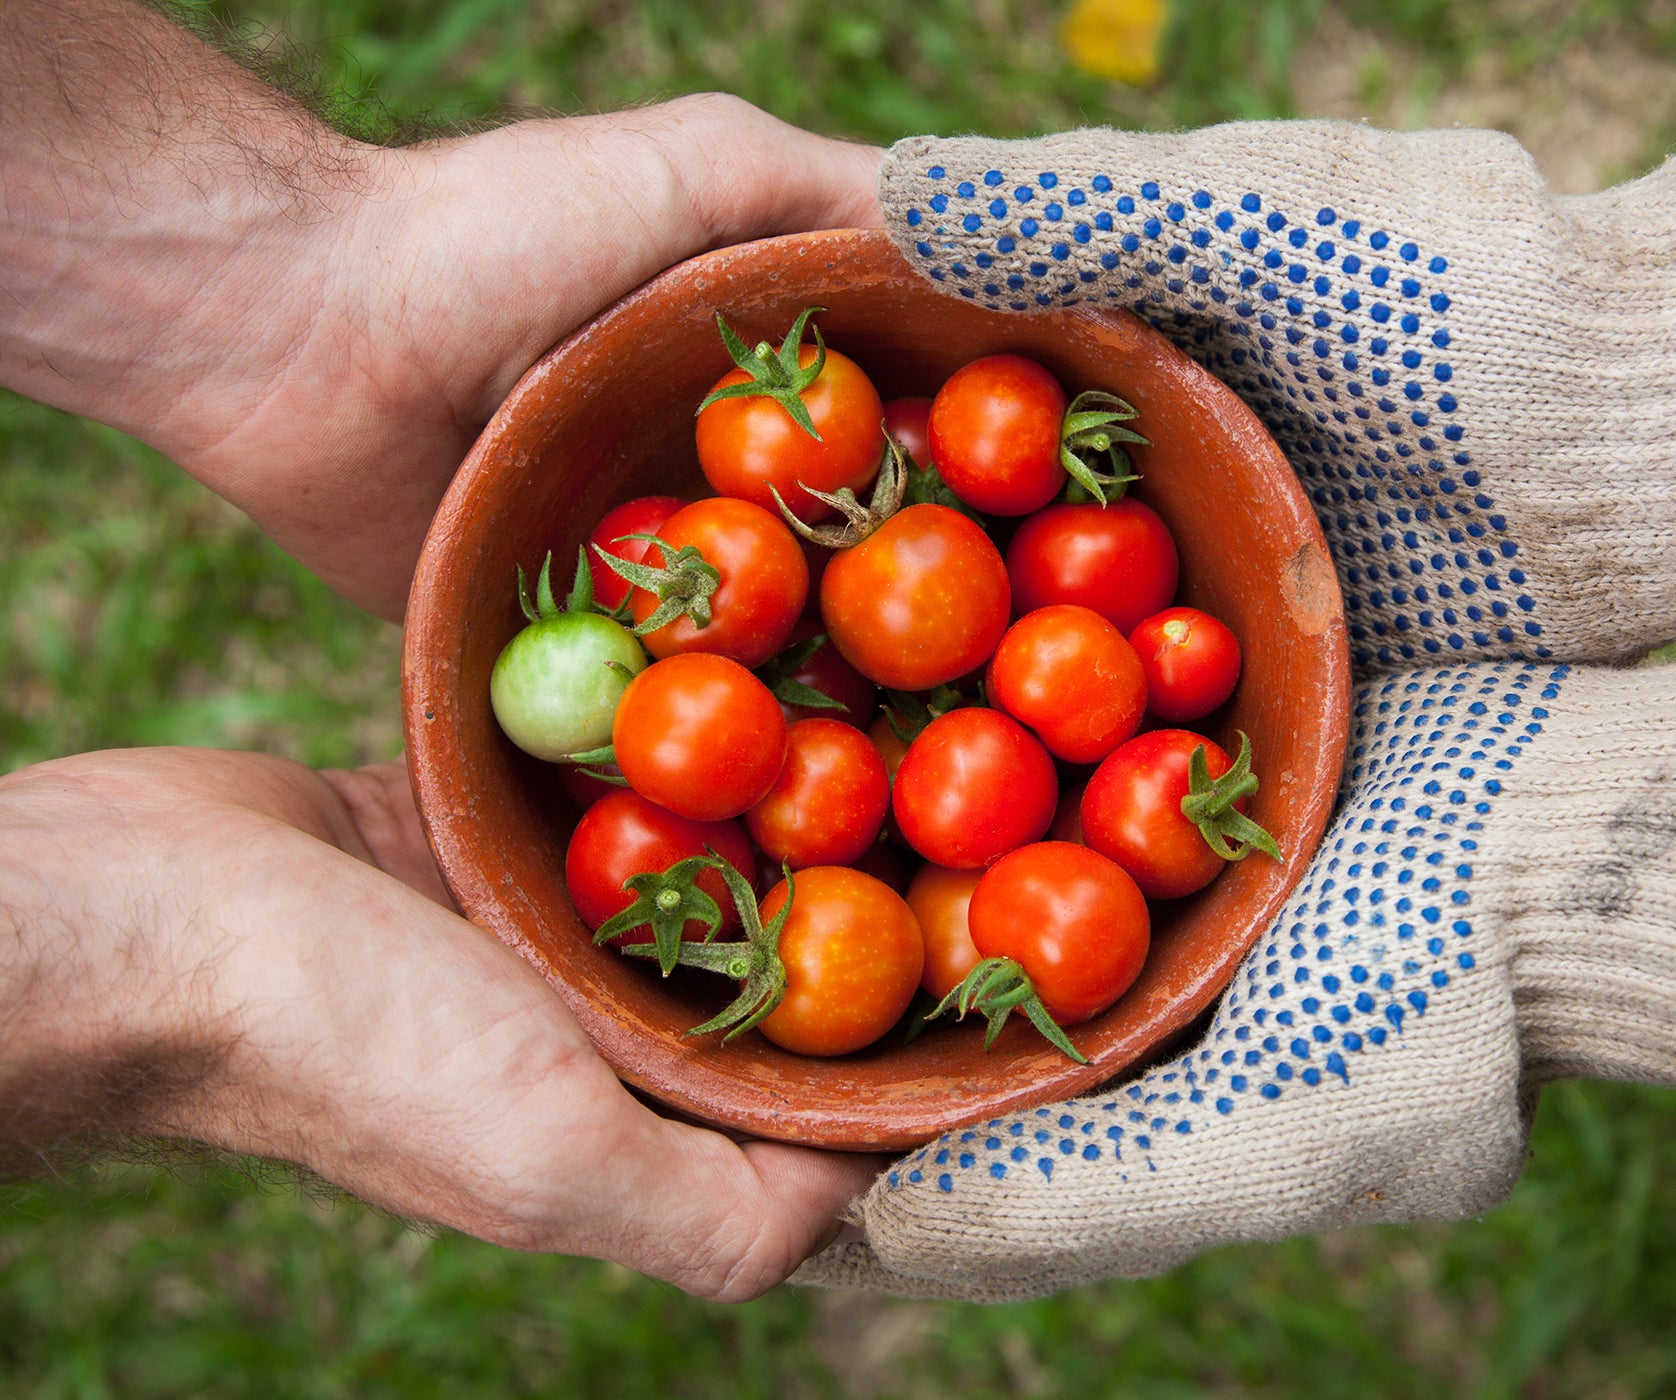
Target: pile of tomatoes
point(941, 731)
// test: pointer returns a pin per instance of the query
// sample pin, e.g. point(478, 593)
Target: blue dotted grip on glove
point(1333, 332)
point(1380, 929)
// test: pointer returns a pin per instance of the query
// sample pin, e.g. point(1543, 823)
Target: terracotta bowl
point(608, 415)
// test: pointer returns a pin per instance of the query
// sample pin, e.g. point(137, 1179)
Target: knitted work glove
point(1477, 383)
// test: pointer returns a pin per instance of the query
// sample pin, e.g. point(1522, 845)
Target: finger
point(379, 801)
point(625, 196)
point(405, 1055)
point(722, 1220)
point(745, 174)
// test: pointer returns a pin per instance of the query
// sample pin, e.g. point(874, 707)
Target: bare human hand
point(317, 328)
point(259, 957)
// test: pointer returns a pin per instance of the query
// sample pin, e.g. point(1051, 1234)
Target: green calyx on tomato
point(1209, 805)
point(907, 712)
point(923, 485)
point(996, 988)
point(1091, 433)
point(754, 962)
point(683, 586)
point(780, 676)
point(667, 900)
point(774, 374)
point(860, 521)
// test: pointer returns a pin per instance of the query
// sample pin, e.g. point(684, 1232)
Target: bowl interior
point(608, 415)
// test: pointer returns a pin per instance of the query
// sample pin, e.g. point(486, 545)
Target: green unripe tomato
point(553, 689)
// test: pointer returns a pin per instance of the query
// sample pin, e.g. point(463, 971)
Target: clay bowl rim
point(686, 1079)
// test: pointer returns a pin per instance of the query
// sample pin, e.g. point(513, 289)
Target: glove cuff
point(1585, 881)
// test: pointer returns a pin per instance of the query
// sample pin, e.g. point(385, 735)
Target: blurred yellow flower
point(1116, 39)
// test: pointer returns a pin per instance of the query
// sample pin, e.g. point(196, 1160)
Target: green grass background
point(138, 610)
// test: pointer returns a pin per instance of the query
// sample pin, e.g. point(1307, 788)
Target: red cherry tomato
point(1131, 811)
point(853, 955)
point(1068, 674)
point(623, 835)
point(920, 601)
point(826, 670)
point(701, 735)
point(641, 516)
point(747, 445)
point(1073, 920)
point(908, 425)
point(764, 582)
point(939, 897)
point(1191, 660)
point(1118, 559)
point(995, 434)
point(973, 785)
point(829, 801)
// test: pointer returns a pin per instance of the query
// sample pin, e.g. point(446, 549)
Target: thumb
point(562, 217)
point(738, 173)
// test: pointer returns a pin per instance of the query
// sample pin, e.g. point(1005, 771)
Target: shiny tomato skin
point(1070, 675)
point(908, 425)
point(623, 835)
point(747, 445)
point(994, 434)
point(1118, 559)
point(853, 956)
point(764, 582)
point(826, 671)
point(1074, 921)
point(1191, 660)
point(829, 801)
point(699, 734)
point(641, 516)
point(922, 600)
point(1131, 811)
point(939, 898)
point(974, 784)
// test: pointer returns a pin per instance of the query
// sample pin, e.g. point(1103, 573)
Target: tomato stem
point(861, 520)
point(776, 375)
point(1209, 805)
point(667, 900)
point(1090, 431)
point(997, 987)
point(683, 586)
point(754, 962)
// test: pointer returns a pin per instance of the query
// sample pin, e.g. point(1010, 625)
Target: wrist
point(107, 1031)
point(1584, 882)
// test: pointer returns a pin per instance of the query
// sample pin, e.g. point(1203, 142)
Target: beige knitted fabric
point(1495, 905)
point(1473, 376)
point(1476, 381)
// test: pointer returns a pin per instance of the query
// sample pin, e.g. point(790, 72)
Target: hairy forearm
point(153, 198)
point(96, 1032)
